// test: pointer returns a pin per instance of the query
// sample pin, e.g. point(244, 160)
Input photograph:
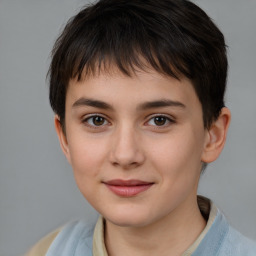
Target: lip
point(127, 188)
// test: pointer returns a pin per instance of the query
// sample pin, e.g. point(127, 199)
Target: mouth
point(128, 188)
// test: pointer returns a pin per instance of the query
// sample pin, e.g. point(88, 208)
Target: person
point(138, 92)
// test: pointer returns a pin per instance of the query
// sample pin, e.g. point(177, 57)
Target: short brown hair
point(174, 37)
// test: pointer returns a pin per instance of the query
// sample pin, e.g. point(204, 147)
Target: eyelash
point(86, 121)
point(168, 120)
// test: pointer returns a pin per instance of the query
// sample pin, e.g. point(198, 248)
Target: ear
point(216, 136)
point(62, 137)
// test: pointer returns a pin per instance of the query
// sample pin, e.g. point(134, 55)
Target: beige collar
point(99, 248)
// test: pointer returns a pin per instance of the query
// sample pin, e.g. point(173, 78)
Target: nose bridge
point(126, 148)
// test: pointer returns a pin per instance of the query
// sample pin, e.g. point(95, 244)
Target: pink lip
point(128, 188)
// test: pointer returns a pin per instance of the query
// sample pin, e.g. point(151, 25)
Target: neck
point(171, 235)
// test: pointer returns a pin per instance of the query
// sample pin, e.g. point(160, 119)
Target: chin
point(128, 222)
point(128, 218)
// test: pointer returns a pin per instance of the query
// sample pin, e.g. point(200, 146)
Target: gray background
point(37, 189)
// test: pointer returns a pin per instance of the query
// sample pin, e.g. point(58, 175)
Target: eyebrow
point(160, 104)
point(144, 106)
point(92, 103)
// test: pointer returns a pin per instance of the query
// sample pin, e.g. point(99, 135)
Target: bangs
point(125, 41)
point(173, 37)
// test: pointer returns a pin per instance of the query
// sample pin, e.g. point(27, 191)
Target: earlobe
point(216, 136)
point(62, 137)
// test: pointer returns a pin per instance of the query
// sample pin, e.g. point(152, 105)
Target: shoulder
point(223, 240)
point(236, 244)
point(73, 237)
point(42, 246)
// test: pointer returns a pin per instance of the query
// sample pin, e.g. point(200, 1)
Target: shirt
point(82, 239)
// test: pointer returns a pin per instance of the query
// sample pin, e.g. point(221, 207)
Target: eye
point(160, 121)
point(95, 121)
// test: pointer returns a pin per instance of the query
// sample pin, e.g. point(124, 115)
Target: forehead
point(112, 80)
point(118, 89)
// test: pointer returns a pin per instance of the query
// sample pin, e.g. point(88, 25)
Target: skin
point(127, 142)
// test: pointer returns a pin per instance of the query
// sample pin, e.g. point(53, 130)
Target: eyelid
point(86, 117)
point(168, 116)
point(171, 119)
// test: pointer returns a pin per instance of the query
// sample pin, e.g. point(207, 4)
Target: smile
point(127, 188)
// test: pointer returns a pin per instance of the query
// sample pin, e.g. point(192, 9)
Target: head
point(137, 88)
point(174, 38)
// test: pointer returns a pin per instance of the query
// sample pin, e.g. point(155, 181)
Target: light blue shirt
point(76, 239)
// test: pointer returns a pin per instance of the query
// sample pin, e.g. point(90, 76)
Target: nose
point(126, 150)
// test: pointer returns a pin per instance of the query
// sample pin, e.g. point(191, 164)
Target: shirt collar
point(207, 208)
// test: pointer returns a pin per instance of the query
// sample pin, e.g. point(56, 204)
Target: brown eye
point(160, 120)
point(96, 121)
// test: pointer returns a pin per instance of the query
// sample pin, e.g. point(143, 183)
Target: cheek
point(178, 156)
point(87, 160)
point(177, 163)
point(87, 156)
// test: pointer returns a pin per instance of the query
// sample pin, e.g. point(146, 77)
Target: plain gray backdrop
point(37, 189)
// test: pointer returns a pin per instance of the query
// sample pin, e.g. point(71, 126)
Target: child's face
point(135, 145)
